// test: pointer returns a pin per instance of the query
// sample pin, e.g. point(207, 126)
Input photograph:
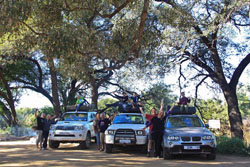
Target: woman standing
point(97, 130)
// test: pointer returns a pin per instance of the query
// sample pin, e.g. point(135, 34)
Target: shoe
point(148, 154)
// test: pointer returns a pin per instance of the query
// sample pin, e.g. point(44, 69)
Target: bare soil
point(23, 153)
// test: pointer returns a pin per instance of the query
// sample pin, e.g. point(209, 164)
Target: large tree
point(199, 32)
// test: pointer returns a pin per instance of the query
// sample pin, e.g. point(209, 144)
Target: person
point(47, 124)
point(39, 129)
point(97, 130)
point(81, 101)
point(123, 103)
point(183, 102)
point(149, 117)
point(103, 125)
point(135, 99)
point(157, 132)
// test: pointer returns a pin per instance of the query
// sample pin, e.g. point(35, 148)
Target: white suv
point(73, 128)
point(126, 129)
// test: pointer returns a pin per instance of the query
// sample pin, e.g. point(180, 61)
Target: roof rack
point(129, 109)
point(90, 108)
point(180, 110)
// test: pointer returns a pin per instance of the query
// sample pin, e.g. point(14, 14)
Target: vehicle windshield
point(75, 117)
point(128, 119)
point(180, 122)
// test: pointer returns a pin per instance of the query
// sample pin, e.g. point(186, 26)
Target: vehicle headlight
point(139, 133)
point(111, 132)
point(173, 138)
point(207, 137)
point(78, 128)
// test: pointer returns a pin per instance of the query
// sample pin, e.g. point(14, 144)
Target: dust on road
point(25, 154)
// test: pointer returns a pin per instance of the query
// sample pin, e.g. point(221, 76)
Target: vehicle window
point(128, 119)
point(75, 117)
point(179, 122)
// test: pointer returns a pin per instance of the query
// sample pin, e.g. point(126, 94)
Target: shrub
point(226, 145)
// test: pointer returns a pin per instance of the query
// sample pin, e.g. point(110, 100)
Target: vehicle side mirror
point(207, 125)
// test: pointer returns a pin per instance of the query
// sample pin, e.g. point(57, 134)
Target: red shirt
point(149, 117)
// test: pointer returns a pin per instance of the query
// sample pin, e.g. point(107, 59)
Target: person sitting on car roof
point(183, 102)
point(81, 101)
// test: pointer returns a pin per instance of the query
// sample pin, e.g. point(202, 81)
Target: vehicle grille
point(125, 134)
point(65, 128)
point(64, 135)
point(196, 138)
point(185, 138)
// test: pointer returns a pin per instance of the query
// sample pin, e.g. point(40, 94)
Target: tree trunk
point(234, 114)
point(94, 95)
point(56, 103)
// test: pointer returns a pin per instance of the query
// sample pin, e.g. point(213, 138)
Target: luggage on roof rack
point(179, 110)
point(129, 109)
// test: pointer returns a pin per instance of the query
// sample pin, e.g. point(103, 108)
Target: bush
point(226, 145)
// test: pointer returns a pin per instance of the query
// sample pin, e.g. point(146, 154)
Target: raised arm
point(162, 105)
point(142, 111)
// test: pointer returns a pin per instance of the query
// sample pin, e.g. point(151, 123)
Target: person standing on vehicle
point(97, 130)
point(103, 125)
point(39, 129)
point(158, 128)
point(149, 117)
point(47, 124)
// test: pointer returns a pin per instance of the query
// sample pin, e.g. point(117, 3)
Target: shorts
point(150, 135)
point(39, 138)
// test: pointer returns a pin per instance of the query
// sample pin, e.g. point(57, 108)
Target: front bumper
point(180, 147)
point(138, 140)
point(67, 136)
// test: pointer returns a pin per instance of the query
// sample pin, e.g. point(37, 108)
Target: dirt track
point(25, 154)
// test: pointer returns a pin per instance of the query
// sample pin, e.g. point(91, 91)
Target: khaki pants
point(39, 137)
point(102, 138)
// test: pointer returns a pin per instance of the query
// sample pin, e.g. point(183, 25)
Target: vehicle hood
point(71, 123)
point(188, 131)
point(127, 126)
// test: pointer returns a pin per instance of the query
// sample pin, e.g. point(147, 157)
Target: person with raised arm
point(149, 117)
point(39, 129)
point(158, 128)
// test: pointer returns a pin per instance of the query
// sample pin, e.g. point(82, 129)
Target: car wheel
point(167, 154)
point(53, 144)
point(108, 148)
point(86, 144)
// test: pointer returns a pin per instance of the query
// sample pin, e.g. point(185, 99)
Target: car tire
point(86, 144)
point(166, 154)
point(108, 148)
point(53, 144)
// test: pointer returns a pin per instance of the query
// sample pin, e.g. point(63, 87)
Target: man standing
point(97, 130)
point(149, 117)
point(46, 128)
point(39, 130)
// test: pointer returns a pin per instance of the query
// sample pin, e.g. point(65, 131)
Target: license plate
point(125, 141)
point(64, 133)
point(191, 147)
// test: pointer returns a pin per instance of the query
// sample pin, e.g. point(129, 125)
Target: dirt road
point(25, 154)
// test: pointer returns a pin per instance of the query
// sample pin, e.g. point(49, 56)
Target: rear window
point(180, 122)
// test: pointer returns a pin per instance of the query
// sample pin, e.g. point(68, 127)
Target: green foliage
point(243, 99)
point(26, 116)
point(226, 145)
point(101, 105)
point(214, 109)
point(155, 93)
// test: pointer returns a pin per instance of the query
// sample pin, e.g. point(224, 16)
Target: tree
point(198, 33)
